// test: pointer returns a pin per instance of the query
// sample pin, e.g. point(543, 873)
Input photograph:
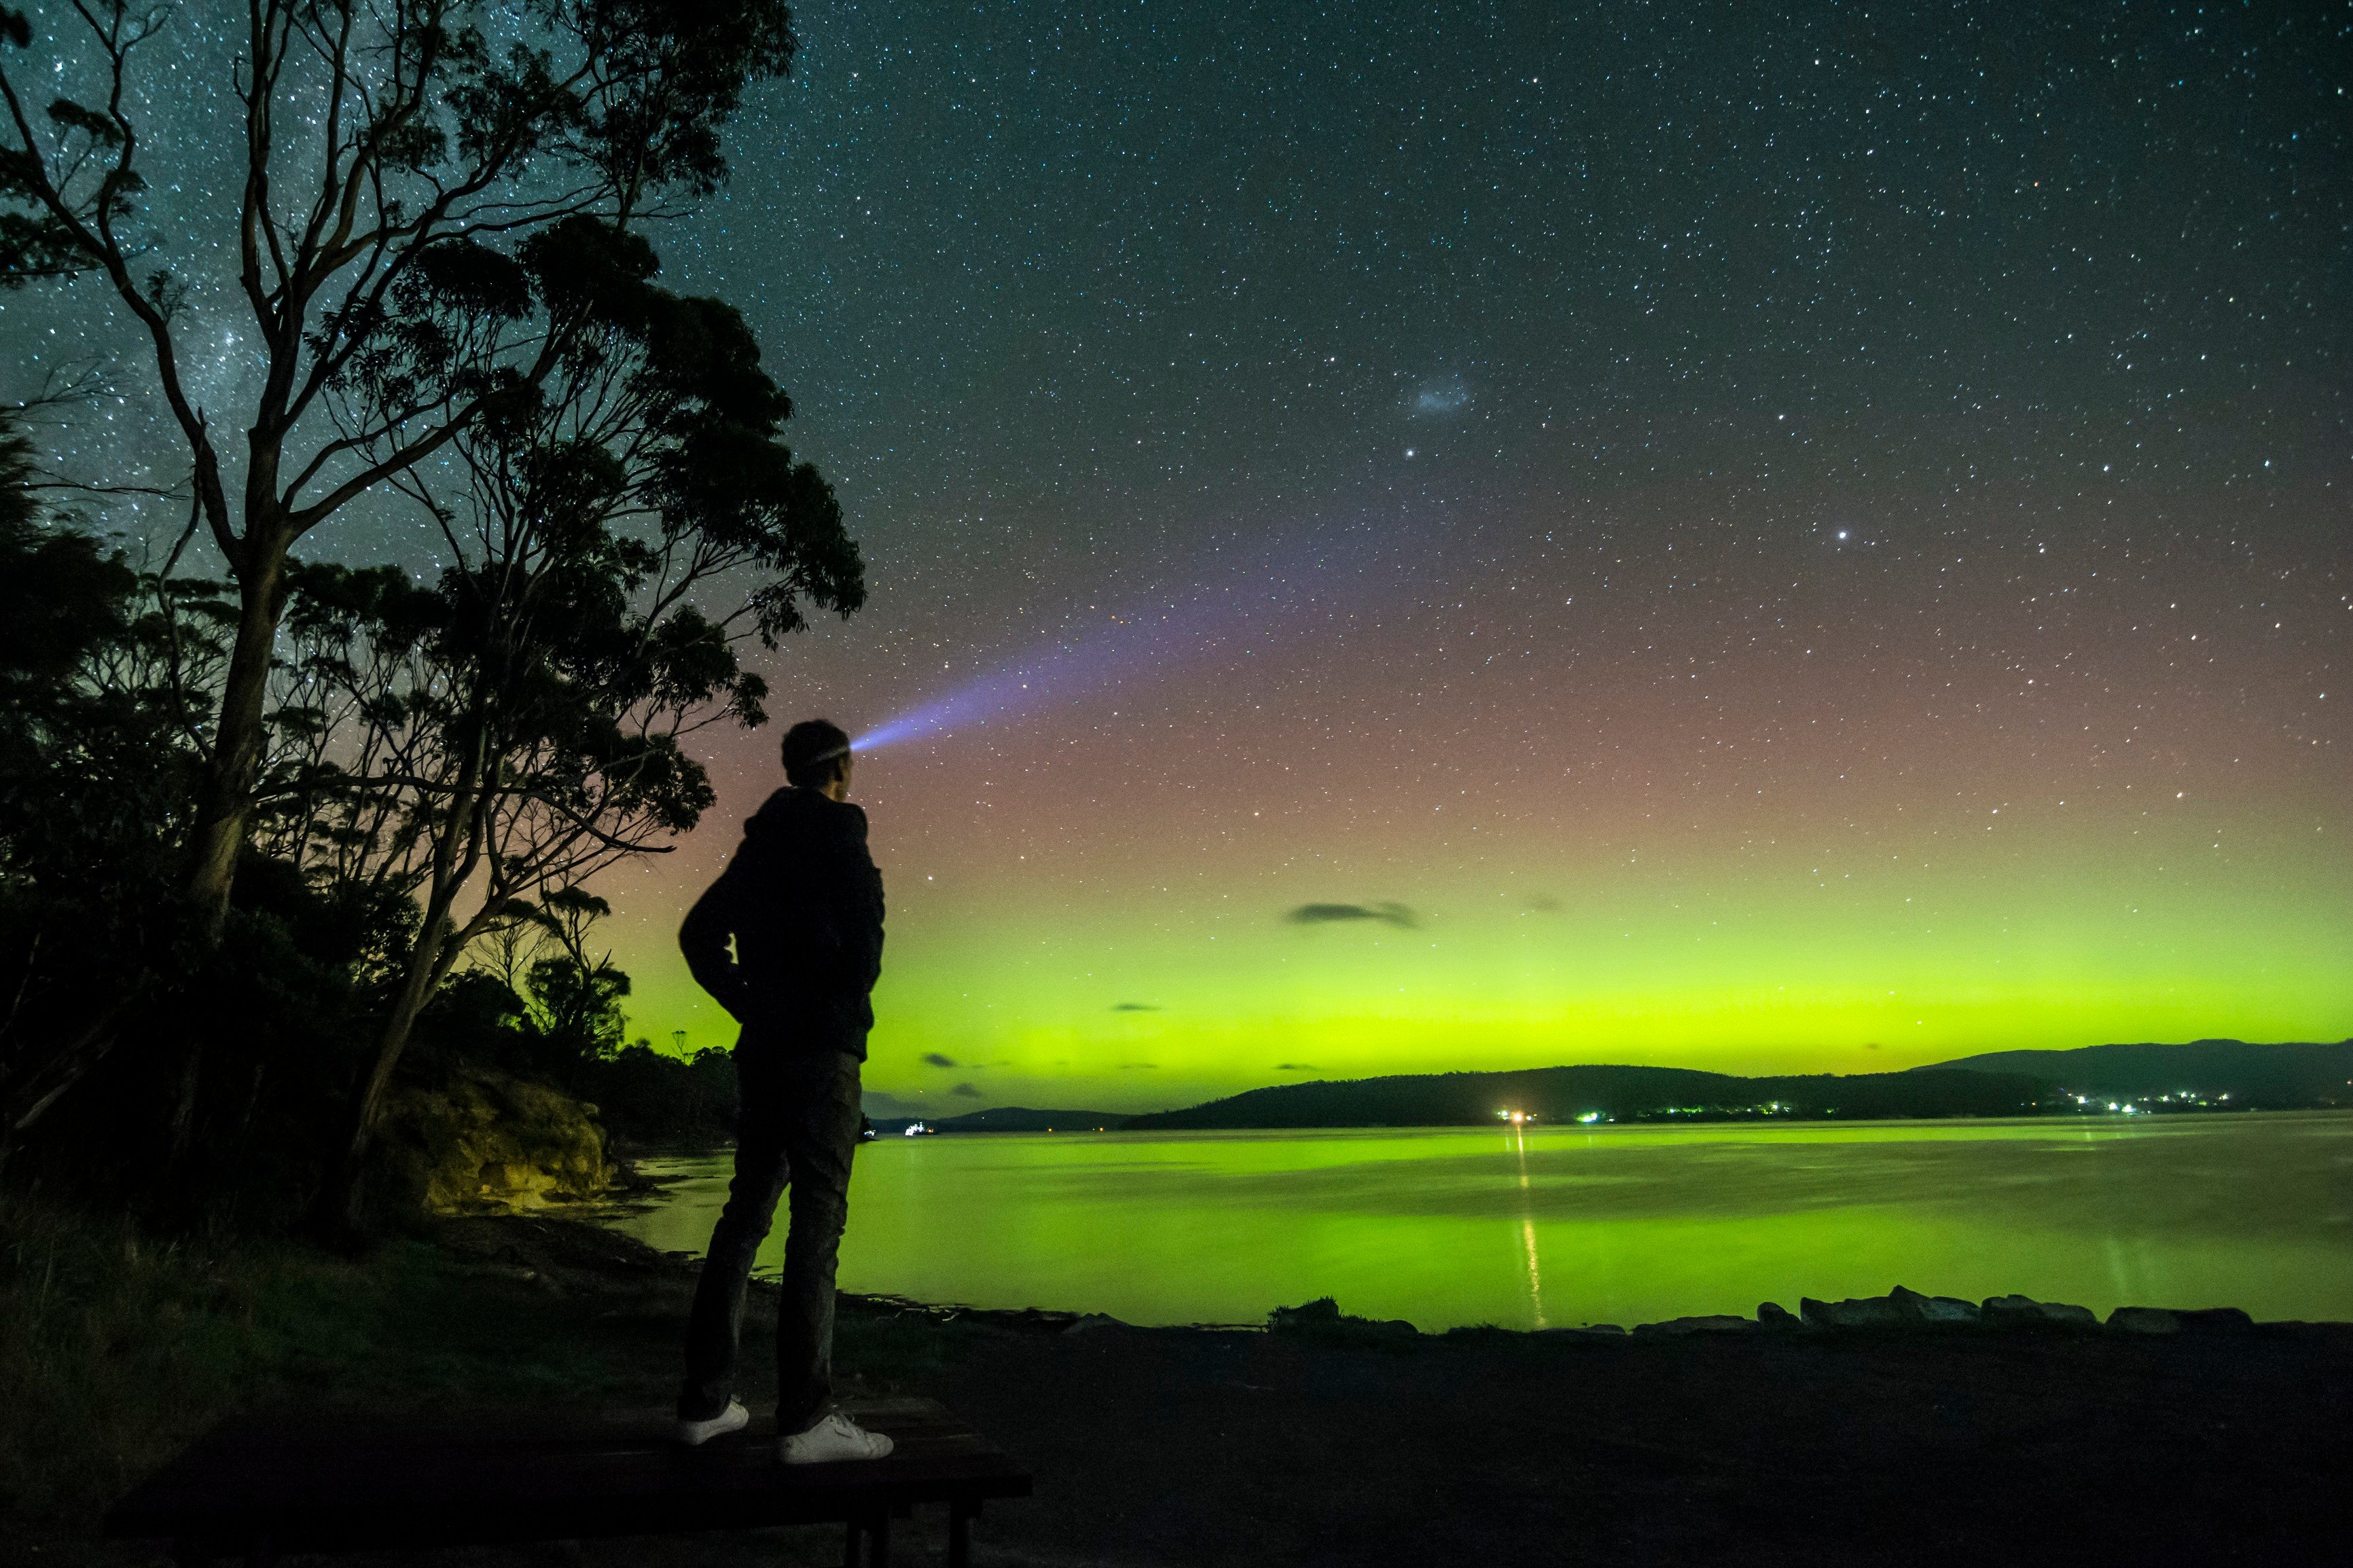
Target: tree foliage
point(627, 518)
point(390, 145)
point(363, 788)
point(100, 691)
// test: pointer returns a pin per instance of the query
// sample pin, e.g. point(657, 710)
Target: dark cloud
point(1294, 1067)
point(1544, 904)
point(1332, 914)
point(938, 1060)
point(1134, 1007)
point(966, 1090)
point(1136, 1066)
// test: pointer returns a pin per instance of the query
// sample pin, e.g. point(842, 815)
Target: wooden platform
point(262, 1485)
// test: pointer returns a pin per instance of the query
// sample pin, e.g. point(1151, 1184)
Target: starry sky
point(1764, 538)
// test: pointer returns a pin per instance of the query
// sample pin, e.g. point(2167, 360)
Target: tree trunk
point(224, 811)
point(342, 1202)
point(342, 1205)
point(180, 1139)
point(26, 1098)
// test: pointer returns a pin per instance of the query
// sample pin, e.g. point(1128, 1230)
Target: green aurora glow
point(1853, 576)
point(1059, 954)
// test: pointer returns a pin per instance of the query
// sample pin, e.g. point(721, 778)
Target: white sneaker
point(734, 1418)
point(835, 1437)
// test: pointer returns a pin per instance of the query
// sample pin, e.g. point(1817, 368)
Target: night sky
point(1402, 539)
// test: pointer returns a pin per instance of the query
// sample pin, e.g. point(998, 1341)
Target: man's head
point(817, 756)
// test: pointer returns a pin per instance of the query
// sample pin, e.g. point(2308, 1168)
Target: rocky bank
point(489, 1143)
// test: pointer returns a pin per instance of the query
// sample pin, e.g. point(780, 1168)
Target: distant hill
point(1011, 1118)
point(1616, 1093)
point(1997, 1083)
point(2258, 1076)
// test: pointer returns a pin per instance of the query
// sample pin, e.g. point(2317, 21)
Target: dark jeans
point(798, 1130)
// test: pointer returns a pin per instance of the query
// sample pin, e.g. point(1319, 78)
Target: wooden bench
point(263, 1484)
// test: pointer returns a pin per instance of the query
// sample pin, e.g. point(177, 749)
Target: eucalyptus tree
point(572, 995)
point(627, 521)
point(371, 134)
point(106, 674)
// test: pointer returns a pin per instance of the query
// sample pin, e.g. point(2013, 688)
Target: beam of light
point(1246, 606)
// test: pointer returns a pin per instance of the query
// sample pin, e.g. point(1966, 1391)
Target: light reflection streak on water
point(1528, 1230)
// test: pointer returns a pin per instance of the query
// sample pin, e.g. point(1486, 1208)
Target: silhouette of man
point(802, 904)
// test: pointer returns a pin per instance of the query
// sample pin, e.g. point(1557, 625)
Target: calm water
point(1566, 1226)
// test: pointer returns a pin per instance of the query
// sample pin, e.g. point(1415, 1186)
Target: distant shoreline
point(2200, 1076)
point(888, 1130)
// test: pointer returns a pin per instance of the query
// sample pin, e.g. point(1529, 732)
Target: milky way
point(1774, 538)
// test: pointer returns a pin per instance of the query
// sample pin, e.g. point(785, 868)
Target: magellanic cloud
point(1393, 914)
point(1440, 397)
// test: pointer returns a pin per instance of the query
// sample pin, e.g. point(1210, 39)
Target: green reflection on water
point(1568, 1226)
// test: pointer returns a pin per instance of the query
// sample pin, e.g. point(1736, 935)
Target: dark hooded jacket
point(803, 903)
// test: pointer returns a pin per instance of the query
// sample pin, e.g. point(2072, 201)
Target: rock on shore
point(1900, 1310)
point(486, 1143)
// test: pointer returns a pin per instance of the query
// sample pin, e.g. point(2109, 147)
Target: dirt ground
point(1201, 1446)
point(1234, 1448)
point(1252, 1448)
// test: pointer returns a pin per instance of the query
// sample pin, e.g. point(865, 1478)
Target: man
point(803, 904)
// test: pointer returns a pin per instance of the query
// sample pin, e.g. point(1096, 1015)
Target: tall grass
point(115, 1349)
point(118, 1349)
